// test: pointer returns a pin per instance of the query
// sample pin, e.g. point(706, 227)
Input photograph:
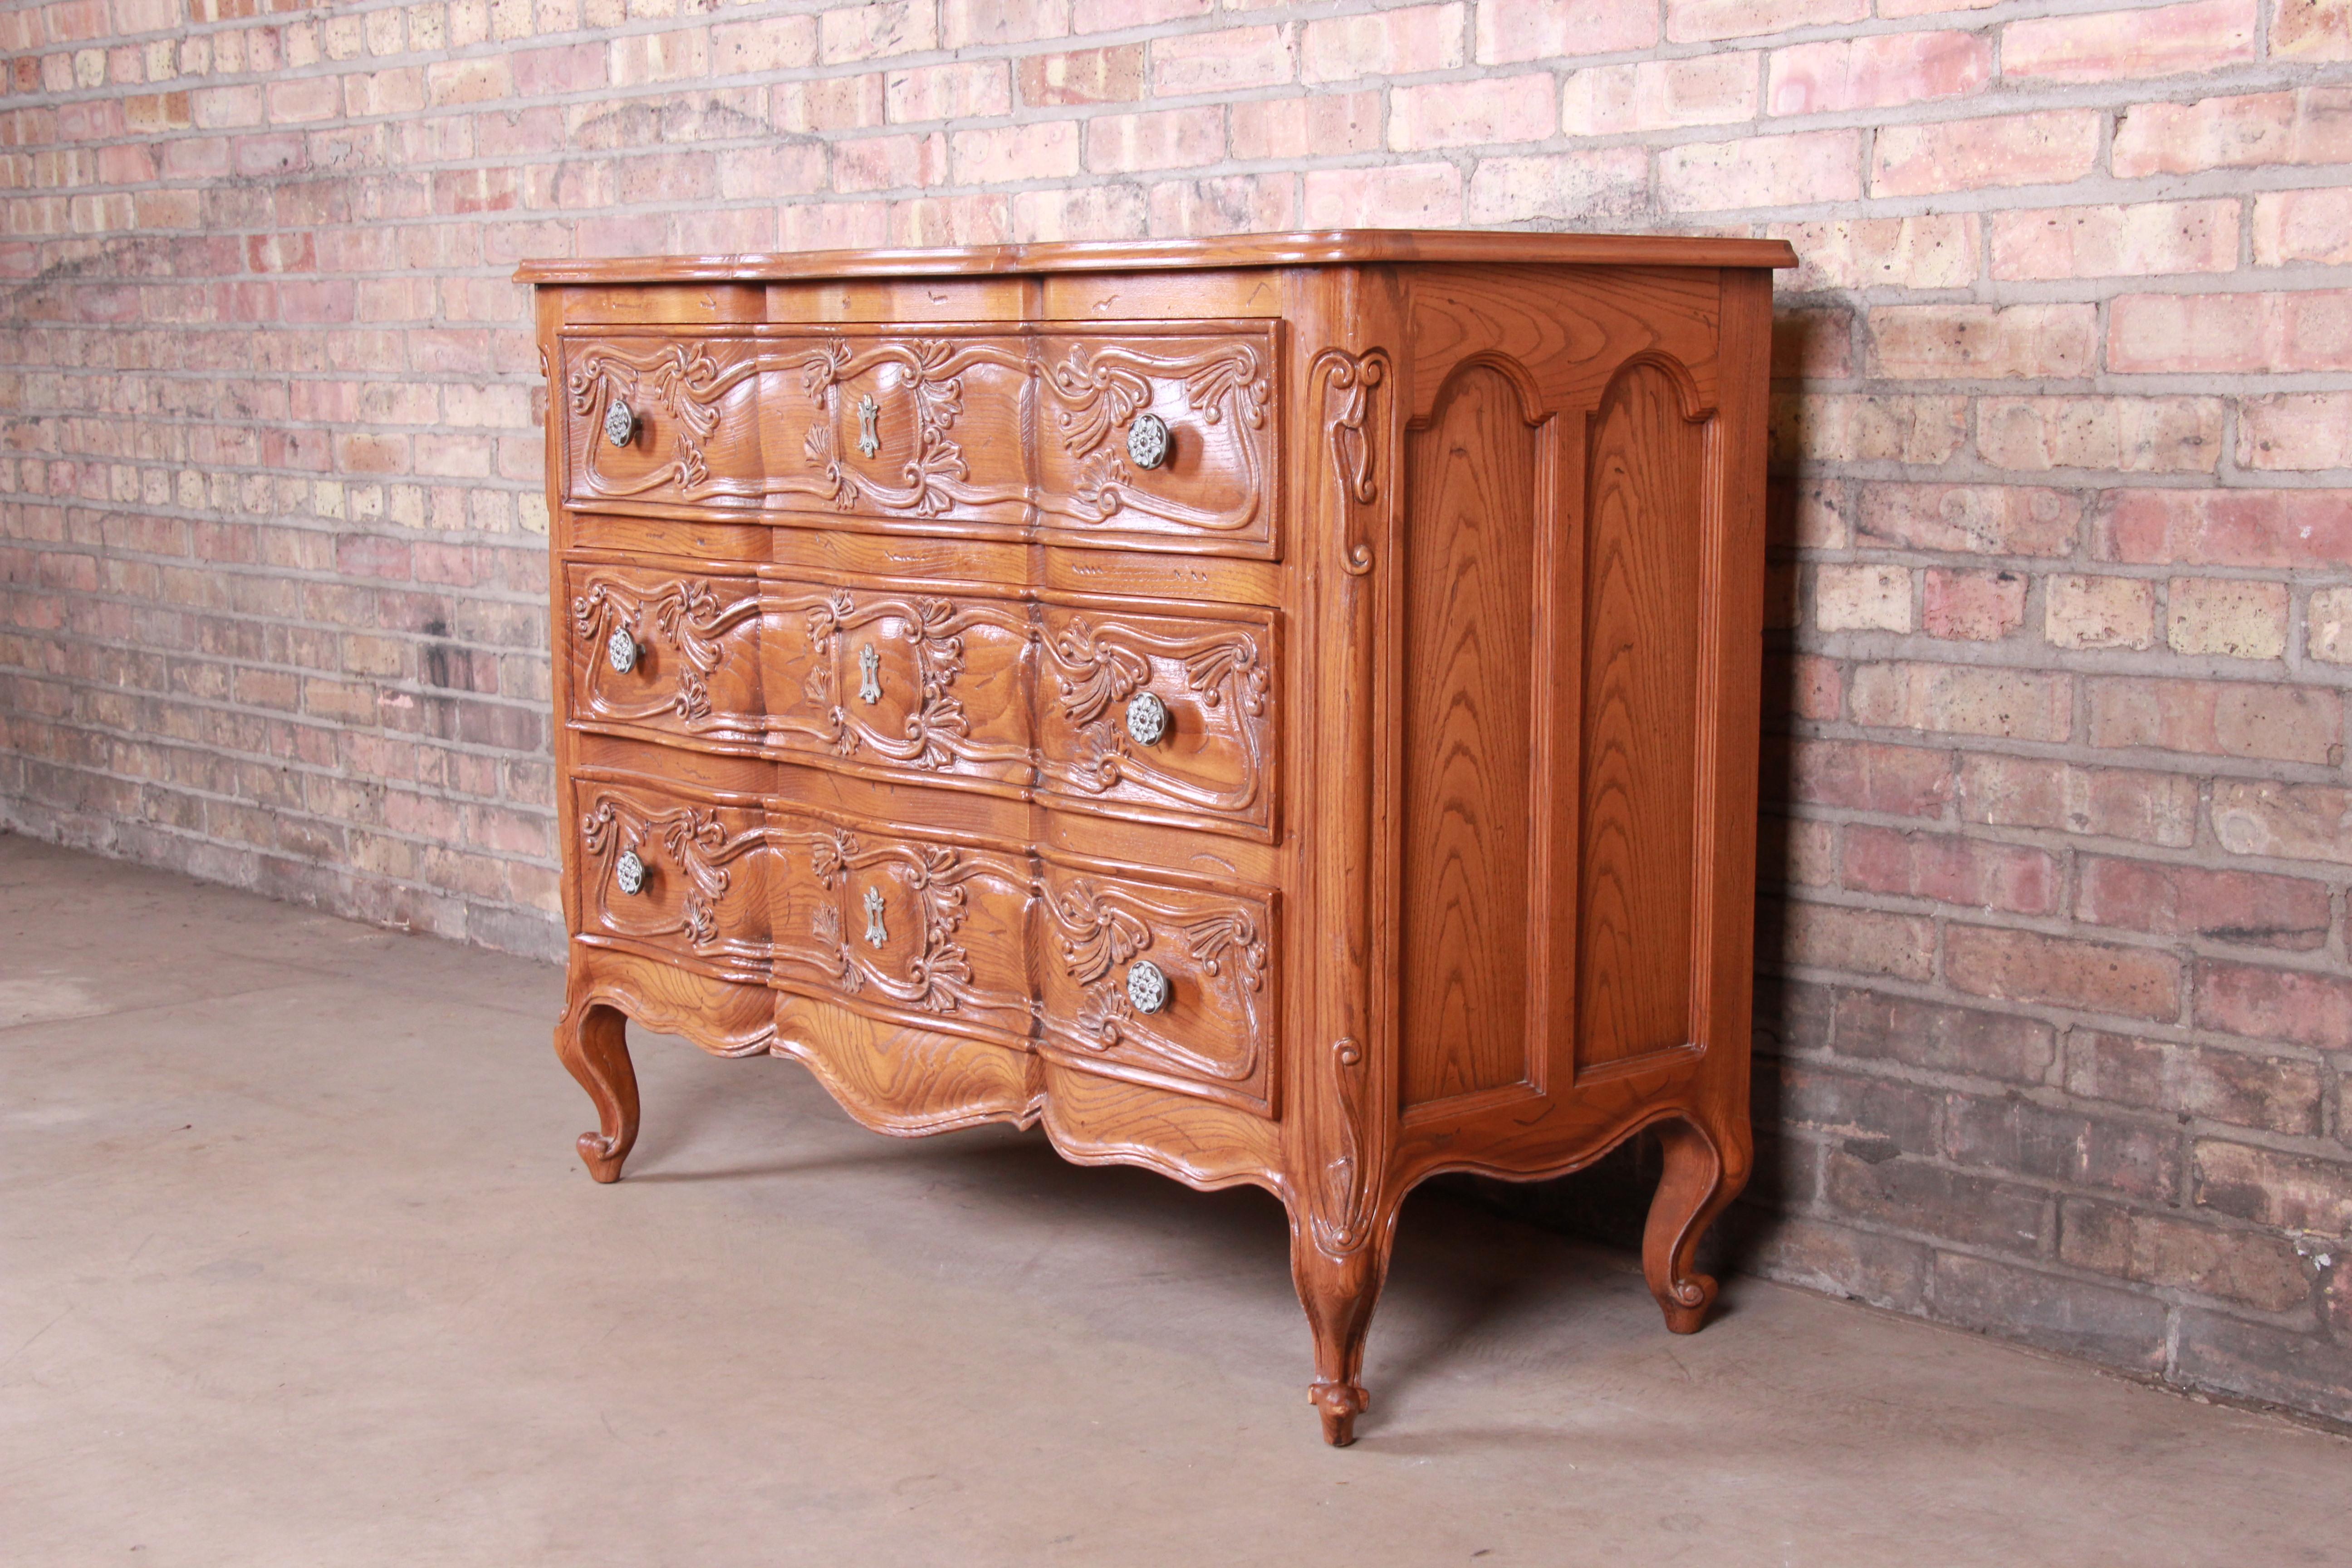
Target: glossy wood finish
point(1446, 607)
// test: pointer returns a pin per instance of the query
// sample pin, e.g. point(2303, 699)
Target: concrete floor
point(297, 1266)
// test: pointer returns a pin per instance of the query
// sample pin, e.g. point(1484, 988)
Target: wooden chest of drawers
point(1277, 709)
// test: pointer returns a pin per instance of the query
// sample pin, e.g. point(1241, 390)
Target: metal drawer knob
point(1147, 985)
point(621, 651)
point(1147, 719)
point(1147, 441)
point(620, 424)
point(629, 873)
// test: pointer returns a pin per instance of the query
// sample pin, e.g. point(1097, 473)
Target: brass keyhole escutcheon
point(870, 425)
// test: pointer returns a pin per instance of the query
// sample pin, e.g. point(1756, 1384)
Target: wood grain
point(1637, 873)
point(1469, 583)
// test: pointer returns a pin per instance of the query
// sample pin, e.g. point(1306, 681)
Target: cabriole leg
point(1339, 1288)
point(592, 1040)
point(1704, 1172)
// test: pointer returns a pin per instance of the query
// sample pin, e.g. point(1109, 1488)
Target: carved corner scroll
point(689, 618)
point(683, 381)
point(1348, 381)
point(1342, 1219)
point(695, 843)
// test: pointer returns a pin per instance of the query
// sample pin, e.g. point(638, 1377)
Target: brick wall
point(2057, 1007)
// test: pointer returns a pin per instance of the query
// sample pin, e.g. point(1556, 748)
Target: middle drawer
point(1094, 705)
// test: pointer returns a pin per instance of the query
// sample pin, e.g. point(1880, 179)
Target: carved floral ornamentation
point(1101, 389)
point(1349, 379)
point(1099, 929)
point(685, 382)
point(696, 844)
point(686, 616)
point(1098, 667)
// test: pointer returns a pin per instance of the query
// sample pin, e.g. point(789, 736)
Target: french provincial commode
point(1277, 710)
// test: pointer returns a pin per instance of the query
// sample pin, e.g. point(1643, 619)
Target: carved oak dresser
point(1278, 709)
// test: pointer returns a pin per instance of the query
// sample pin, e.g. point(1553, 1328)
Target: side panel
point(1637, 871)
point(1469, 569)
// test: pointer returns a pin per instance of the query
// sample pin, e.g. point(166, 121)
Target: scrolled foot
point(593, 1041)
point(603, 1155)
point(1687, 1301)
point(1704, 1172)
point(1339, 1404)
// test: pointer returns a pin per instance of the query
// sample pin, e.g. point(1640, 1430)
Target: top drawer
point(1137, 435)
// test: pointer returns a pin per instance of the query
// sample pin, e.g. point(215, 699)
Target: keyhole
point(876, 935)
point(870, 425)
point(869, 674)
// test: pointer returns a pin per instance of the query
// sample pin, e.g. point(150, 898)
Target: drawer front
point(1170, 715)
point(929, 684)
point(686, 411)
point(996, 943)
point(698, 872)
point(878, 919)
point(887, 424)
point(1013, 433)
point(674, 653)
point(1214, 953)
point(1212, 392)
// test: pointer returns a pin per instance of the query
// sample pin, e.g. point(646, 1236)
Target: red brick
point(2135, 241)
point(2261, 1271)
point(1950, 870)
point(2027, 966)
point(2208, 334)
point(1166, 139)
point(1455, 114)
point(1512, 30)
point(2014, 704)
point(2311, 30)
point(1965, 1041)
point(1407, 195)
point(2200, 36)
point(1222, 62)
point(2054, 147)
point(2294, 431)
point(1980, 343)
point(1858, 941)
point(1761, 171)
point(1324, 123)
point(2242, 907)
point(1886, 70)
point(1690, 21)
point(1973, 606)
point(1113, 75)
point(2303, 225)
point(1891, 780)
point(2269, 1187)
point(2297, 529)
point(1982, 520)
point(2282, 1094)
point(2299, 1006)
point(1381, 44)
point(1703, 89)
point(2216, 718)
point(2311, 126)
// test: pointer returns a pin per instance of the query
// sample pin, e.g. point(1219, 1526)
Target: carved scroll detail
point(1351, 378)
point(1100, 392)
point(689, 618)
point(1100, 930)
point(933, 477)
point(1097, 667)
point(683, 380)
point(693, 840)
point(1342, 1221)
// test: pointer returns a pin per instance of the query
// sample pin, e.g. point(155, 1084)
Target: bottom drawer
point(1160, 982)
point(679, 878)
